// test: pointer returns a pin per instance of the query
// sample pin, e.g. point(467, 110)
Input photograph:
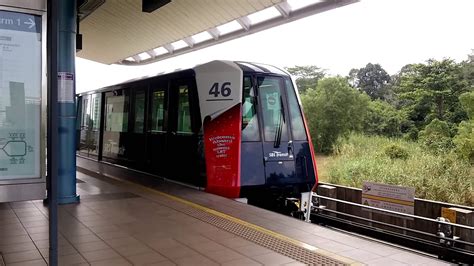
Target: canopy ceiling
point(116, 31)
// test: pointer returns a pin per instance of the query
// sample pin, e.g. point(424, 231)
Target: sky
point(392, 33)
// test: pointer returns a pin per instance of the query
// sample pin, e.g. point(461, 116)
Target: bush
point(394, 151)
point(467, 101)
point(437, 137)
point(436, 177)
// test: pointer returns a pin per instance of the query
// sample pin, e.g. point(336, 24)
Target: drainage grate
point(276, 244)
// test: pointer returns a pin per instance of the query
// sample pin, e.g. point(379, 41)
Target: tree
point(382, 119)
point(434, 86)
point(468, 69)
point(372, 79)
point(306, 76)
point(464, 140)
point(333, 110)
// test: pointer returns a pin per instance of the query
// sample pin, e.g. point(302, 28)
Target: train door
point(278, 151)
point(182, 141)
point(137, 145)
point(252, 173)
point(157, 128)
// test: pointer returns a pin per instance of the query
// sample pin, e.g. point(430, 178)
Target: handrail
point(392, 212)
point(397, 227)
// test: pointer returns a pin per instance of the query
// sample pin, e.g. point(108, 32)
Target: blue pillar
point(67, 107)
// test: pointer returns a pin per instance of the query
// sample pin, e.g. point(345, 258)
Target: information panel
point(389, 197)
point(20, 95)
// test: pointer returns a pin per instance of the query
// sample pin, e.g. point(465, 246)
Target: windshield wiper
point(279, 129)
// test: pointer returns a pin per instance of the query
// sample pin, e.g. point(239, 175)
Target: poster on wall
point(20, 95)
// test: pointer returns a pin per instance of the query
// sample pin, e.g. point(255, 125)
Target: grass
point(322, 164)
point(436, 177)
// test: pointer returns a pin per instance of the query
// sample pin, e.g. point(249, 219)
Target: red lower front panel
point(222, 152)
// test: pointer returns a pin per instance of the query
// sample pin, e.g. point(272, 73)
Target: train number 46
point(224, 90)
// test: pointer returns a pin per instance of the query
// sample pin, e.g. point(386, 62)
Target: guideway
point(439, 228)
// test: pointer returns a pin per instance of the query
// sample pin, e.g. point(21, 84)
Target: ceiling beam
point(284, 9)
point(244, 23)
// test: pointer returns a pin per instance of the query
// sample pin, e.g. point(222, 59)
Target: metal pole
point(52, 147)
point(310, 204)
point(67, 19)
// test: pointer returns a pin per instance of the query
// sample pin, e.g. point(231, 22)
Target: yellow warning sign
point(449, 214)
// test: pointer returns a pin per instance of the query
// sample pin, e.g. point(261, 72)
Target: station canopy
point(118, 32)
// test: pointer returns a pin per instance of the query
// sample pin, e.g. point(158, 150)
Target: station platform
point(156, 222)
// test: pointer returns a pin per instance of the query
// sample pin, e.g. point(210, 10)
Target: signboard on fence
point(389, 197)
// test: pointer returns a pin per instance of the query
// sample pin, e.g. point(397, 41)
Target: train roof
point(246, 67)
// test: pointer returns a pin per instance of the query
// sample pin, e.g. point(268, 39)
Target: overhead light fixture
point(144, 56)
point(179, 45)
point(159, 51)
point(298, 4)
point(201, 37)
point(229, 27)
point(263, 15)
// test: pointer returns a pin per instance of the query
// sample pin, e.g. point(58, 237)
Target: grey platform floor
point(119, 223)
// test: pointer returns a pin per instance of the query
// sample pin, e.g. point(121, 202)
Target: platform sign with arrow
point(21, 74)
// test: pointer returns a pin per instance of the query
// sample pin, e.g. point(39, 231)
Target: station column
point(66, 100)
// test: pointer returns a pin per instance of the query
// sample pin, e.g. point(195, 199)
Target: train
point(236, 129)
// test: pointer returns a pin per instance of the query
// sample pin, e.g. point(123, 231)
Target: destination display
point(20, 90)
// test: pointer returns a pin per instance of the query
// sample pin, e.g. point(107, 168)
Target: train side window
point(297, 125)
point(139, 121)
point(116, 108)
point(250, 129)
point(95, 111)
point(184, 114)
point(158, 111)
point(85, 112)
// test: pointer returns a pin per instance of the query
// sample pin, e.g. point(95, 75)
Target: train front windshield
point(274, 94)
point(272, 122)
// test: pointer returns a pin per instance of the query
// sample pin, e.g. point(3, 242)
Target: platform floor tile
point(120, 224)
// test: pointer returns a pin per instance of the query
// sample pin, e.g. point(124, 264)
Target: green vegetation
point(394, 151)
point(361, 158)
point(329, 121)
point(414, 128)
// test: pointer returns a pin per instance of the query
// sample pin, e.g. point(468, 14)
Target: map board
point(389, 197)
point(20, 95)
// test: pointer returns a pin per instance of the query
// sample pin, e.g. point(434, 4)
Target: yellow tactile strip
point(279, 243)
point(284, 245)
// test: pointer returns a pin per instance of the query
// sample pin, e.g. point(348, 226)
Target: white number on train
point(225, 89)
